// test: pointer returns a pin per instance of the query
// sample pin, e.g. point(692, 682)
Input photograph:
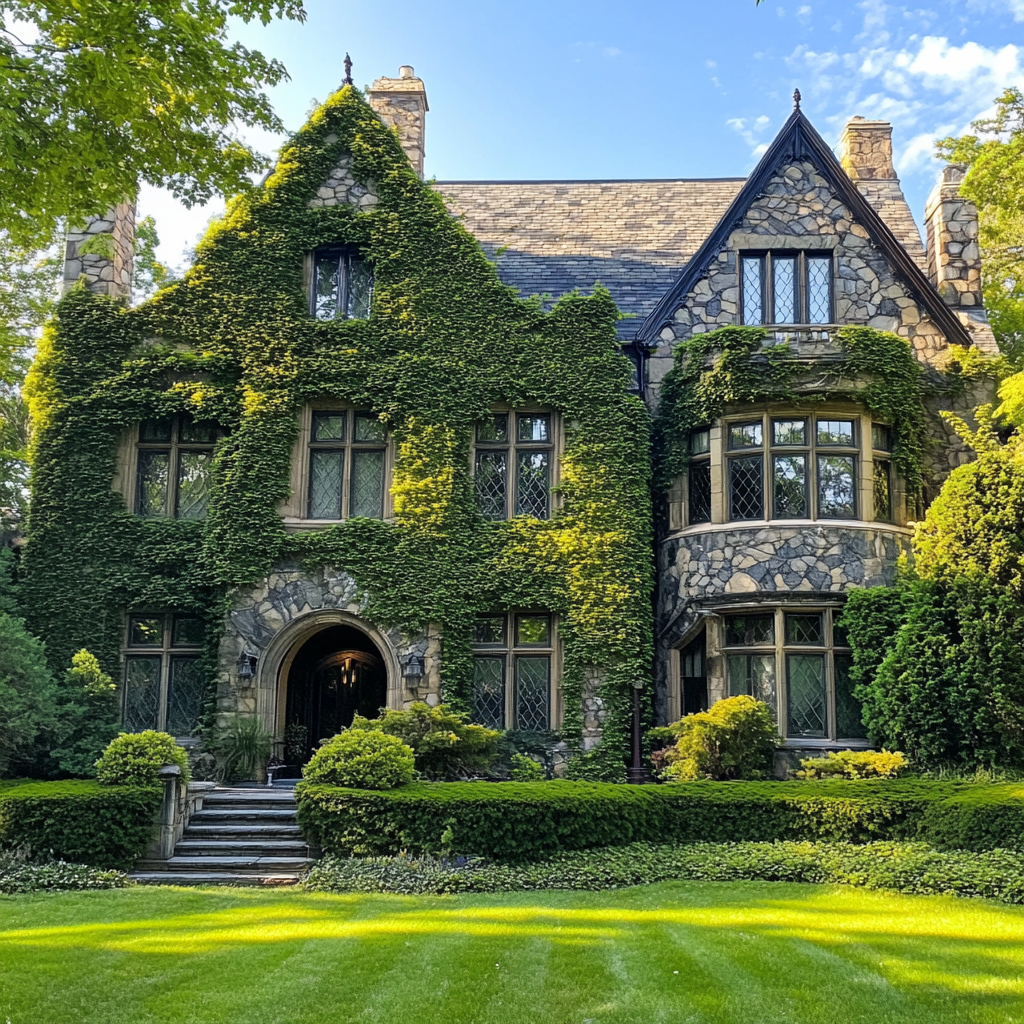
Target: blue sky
point(656, 89)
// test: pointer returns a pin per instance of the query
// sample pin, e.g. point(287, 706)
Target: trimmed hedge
point(526, 821)
point(80, 822)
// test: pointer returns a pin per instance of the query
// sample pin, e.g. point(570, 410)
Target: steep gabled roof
point(798, 140)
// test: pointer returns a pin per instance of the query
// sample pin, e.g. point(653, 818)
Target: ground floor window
point(797, 661)
point(163, 678)
point(513, 658)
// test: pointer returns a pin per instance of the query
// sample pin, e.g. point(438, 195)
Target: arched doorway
point(336, 674)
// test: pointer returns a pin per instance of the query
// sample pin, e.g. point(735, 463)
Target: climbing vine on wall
point(233, 344)
point(734, 366)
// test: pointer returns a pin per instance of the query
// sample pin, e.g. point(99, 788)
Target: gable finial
point(796, 99)
point(347, 80)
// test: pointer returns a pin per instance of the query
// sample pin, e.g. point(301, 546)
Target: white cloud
point(611, 51)
point(750, 130)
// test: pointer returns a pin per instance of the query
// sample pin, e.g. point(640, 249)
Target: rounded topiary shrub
point(135, 759)
point(361, 759)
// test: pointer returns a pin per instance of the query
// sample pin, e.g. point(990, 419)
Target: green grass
point(744, 952)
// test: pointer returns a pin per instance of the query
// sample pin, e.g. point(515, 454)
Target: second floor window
point(173, 463)
point(342, 285)
point(512, 465)
point(786, 287)
point(347, 455)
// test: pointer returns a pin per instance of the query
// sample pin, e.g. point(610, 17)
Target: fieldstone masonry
point(402, 103)
point(341, 187)
point(954, 263)
point(107, 269)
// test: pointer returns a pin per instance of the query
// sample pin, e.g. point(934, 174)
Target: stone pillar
point(954, 262)
point(103, 252)
point(401, 104)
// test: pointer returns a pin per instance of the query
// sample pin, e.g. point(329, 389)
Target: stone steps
point(240, 837)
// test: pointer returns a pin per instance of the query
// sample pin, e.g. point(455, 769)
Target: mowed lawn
point(676, 952)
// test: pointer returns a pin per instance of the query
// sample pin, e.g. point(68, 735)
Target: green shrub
point(525, 769)
point(242, 748)
point(523, 821)
point(849, 764)
point(903, 867)
point(978, 817)
point(135, 759)
point(446, 746)
point(734, 739)
point(361, 758)
point(80, 822)
point(18, 876)
point(87, 716)
point(26, 694)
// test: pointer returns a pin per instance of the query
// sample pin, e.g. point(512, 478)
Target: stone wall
point(401, 103)
point(954, 260)
point(341, 187)
point(107, 270)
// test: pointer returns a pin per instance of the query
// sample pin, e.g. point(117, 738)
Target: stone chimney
point(103, 252)
point(865, 151)
point(954, 262)
point(402, 104)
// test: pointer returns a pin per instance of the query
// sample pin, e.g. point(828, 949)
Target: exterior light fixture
point(412, 671)
point(247, 665)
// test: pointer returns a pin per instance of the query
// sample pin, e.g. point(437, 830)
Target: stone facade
point(402, 103)
point(954, 264)
point(107, 268)
point(341, 187)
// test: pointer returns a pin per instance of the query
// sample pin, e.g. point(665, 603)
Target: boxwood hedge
point(526, 821)
point(80, 822)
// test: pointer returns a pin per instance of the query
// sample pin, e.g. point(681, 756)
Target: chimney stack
point(401, 103)
point(954, 261)
point(103, 252)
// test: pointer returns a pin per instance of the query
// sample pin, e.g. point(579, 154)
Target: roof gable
point(798, 140)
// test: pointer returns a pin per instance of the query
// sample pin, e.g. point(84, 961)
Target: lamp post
point(636, 773)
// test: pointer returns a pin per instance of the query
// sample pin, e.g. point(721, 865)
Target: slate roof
point(634, 237)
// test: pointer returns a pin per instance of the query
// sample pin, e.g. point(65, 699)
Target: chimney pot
point(405, 71)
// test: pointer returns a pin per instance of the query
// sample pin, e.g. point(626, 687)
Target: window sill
point(799, 524)
point(796, 743)
point(295, 525)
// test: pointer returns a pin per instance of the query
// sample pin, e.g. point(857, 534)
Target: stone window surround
point(509, 651)
point(712, 621)
point(767, 254)
point(557, 446)
point(294, 509)
point(679, 493)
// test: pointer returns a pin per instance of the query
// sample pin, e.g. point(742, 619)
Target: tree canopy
point(98, 97)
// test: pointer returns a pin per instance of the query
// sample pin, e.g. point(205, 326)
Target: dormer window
point(342, 285)
point(786, 287)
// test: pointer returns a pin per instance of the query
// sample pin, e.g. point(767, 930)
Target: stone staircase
point(240, 837)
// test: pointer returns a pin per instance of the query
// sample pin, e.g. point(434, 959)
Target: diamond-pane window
point(784, 283)
point(491, 483)
point(533, 698)
point(347, 465)
point(533, 428)
point(489, 692)
point(804, 629)
point(494, 429)
point(512, 474)
point(532, 484)
point(367, 495)
point(326, 473)
point(151, 483)
point(805, 685)
point(194, 470)
point(836, 493)
point(342, 285)
point(141, 693)
point(746, 488)
point(699, 482)
point(882, 490)
point(789, 486)
point(185, 690)
point(369, 428)
point(329, 426)
point(819, 273)
point(753, 304)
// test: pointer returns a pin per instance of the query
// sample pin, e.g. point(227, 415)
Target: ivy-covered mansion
point(544, 450)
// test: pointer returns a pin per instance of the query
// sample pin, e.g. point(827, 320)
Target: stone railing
point(177, 807)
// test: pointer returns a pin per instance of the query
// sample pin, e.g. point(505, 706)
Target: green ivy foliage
point(233, 344)
point(733, 366)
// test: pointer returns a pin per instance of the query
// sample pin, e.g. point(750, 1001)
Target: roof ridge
point(576, 181)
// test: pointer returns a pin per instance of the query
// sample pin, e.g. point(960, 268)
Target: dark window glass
point(699, 480)
point(489, 629)
point(490, 483)
point(849, 721)
point(185, 691)
point(152, 477)
point(194, 477)
point(532, 484)
point(753, 305)
point(533, 692)
point(494, 429)
point(329, 426)
point(838, 432)
point(369, 428)
point(882, 490)
point(366, 497)
point(819, 274)
point(158, 431)
point(789, 486)
point(533, 630)
point(146, 631)
point(197, 433)
point(489, 692)
point(342, 286)
point(881, 437)
point(839, 636)
point(747, 630)
point(746, 488)
point(360, 288)
point(836, 492)
point(326, 472)
point(700, 442)
point(187, 632)
point(745, 435)
point(326, 283)
point(141, 693)
point(784, 274)
point(787, 432)
point(753, 675)
point(804, 628)
point(805, 685)
point(534, 428)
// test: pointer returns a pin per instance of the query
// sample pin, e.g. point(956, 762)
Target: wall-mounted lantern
point(412, 671)
point(247, 665)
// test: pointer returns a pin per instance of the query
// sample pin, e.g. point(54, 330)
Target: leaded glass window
point(174, 468)
point(882, 497)
point(699, 476)
point(512, 670)
point(746, 487)
point(347, 465)
point(807, 699)
point(512, 465)
point(786, 288)
point(342, 285)
point(164, 685)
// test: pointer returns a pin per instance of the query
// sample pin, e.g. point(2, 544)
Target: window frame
point(510, 651)
point(781, 650)
point(345, 255)
point(513, 447)
point(801, 287)
point(348, 446)
point(174, 449)
point(167, 651)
